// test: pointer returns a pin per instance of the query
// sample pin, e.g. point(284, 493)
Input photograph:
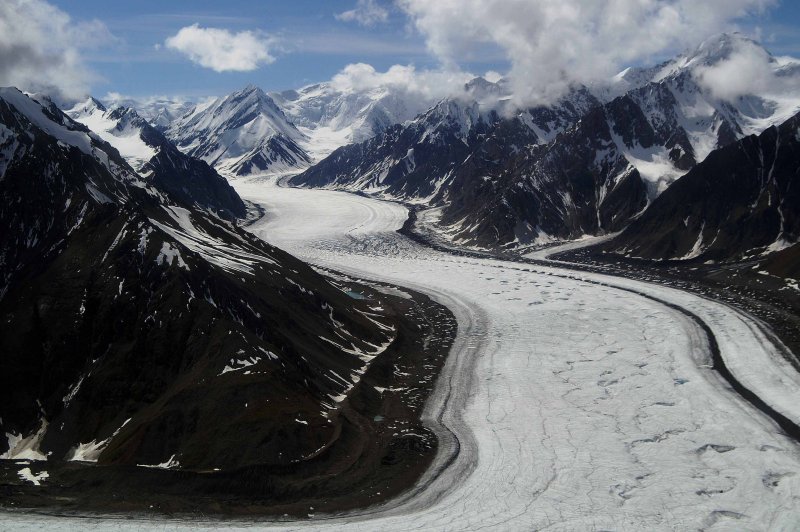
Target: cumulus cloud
point(366, 13)
point(749, 69)
point(492, 77)
point(430, 85)
point(41, 47)
point(222, 50)
point(552, 45)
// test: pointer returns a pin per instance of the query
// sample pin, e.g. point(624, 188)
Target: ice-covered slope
point(148, 151)
point(687, 99)
point(331, 116)
point(243, 133)
point(741, 202)
point(120, 129)
point(138, 328)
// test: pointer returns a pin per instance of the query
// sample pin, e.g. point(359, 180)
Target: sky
point(311, 45)
point(201, 48)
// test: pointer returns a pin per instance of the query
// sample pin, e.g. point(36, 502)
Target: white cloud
point(551, 45)
point(430, 85)
point(40, 48)
point(492, 76)
point(366, 13)
point(222, 50)
point(749, 69)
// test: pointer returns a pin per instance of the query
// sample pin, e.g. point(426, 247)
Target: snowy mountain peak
point(45, 117)
point(158, 161)
point(460, 109)
point(478, 83)
point(160, 111)
point(720, 48)
point(87, 107)
point(332, 116)
point(452, 115)
point(242, 133)
point(711, 52)
point(251, 97)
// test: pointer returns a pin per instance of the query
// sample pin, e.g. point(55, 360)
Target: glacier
point(570, 400)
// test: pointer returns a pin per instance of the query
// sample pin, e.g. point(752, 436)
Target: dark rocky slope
point(139, 330)
point(545, 173)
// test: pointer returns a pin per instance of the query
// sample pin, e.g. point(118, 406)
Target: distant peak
point(720, 47)
point(121, 111)
point(461, 110)
point(479, 81)
point(88, 106)
point(94, 102)
point(252, 96)
point(251, 88)
point(249, 93)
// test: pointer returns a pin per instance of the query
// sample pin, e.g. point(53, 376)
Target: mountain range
point(588, 164)
point(483, 172)
point(144, 326)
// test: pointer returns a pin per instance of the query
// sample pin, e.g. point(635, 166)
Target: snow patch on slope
point(25, 448)
point(126, 139)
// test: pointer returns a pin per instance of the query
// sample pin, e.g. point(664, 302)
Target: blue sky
point(310, 43)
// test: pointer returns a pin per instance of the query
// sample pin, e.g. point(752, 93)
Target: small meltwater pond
point(355, 295)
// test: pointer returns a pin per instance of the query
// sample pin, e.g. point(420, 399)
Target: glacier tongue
point(577, 402)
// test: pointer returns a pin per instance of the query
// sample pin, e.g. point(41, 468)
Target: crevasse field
point(570, 401)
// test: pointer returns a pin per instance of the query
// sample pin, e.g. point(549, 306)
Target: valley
point(574, 401)
point(513, 281)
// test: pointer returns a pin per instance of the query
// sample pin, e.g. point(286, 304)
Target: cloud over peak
point(428, 85)
point(747, 68)
point(552, 45)
point(222, 50)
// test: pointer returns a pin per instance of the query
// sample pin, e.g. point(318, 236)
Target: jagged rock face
point(243, 133)
point(558, 190)
point(402, 160)
point(139, 330)
point(500, 180)
point(741, 202)
point(186, 179)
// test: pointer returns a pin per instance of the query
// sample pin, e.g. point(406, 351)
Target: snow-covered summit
point(242, 133)
point(726, 88)
point(332, 116)
point(87, 107)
